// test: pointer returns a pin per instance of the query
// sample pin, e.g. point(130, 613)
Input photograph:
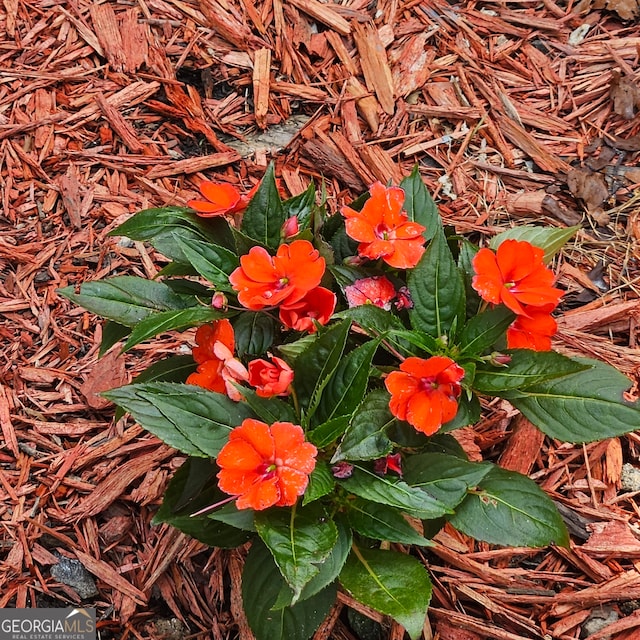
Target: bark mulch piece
point(514, 112)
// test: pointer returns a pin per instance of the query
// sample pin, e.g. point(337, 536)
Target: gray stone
point(71, 572)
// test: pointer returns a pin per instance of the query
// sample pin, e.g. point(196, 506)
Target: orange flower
point(515, 276)
point(217, 369)
point(263, 280)
point(533, 329)
point(425, 392)
point(317, 305)
point(270, 378)
point(219, 199)
point(376, 290)
point(384, 230)
point(265, 466)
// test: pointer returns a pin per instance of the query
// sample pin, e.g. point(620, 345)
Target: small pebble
point(598, 620)
point(629, 478)
point(72, 573)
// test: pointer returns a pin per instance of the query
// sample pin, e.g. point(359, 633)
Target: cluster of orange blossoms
point(516, 276)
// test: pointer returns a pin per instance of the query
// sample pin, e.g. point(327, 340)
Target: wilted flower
point(377, 290)
point(425, 392)
point(265, 465)
point(342, 470)
point(384, 230)
point(392, 462)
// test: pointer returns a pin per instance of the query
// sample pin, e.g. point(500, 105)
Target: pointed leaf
point(582, 407)
point(395, 493)
point(551, 239)
point(301, 206)
point(125, 299)
point(343, 391)
point(254, 333)
point(392, 583)
point(445, 477)
point(510, 509)
point(328, 432)
point(193, 420)
point(525, 369)
point(112, 332)
point(165, 321)
point(419, 204)
point(212, 262)
point(321, 483)
point(365, 438)
point(269, 410)
point(261, 585)
point(298, 538)
point(264, 216)
point(482, 331)
point(437, 290)
point(380, 522)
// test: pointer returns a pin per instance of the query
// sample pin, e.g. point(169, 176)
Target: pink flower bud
point(500, 359)
point(342, 470)
point(219, 301)
point(290, 228)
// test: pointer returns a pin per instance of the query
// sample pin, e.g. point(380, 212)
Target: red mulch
point(515, 112)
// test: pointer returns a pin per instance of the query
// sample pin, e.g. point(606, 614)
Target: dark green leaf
point(343, 391)
point(264, 216)
point(392, 583)
point(551, 239)
point(468, 413)
point(112, 332)
point(445, 477)
point(261, 586)
point(419, 204)
point(525, 369)
point(254, 333)
point(194, 487)
point(437, 290)
point(465, 264)
point(269, 410)
point(125, 299)
point(321, 483)
point(366, 438)
point(212, 262)
point(380, 522)
point(301, 206)
point(318, 361)
point(299, 538)
point(193, 420)
point(394, 493)
point(328, 432)
point(234, 517)
point(165, 321)
point(482, 331)
point(583, 407)
point(510, 509)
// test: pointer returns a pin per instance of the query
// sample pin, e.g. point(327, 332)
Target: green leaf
point(510, 509)
point(392, 583)
point(318, 361)
point(551, 239)
point(321, 483)
point(582, 407)
point(394, 493)
point(190, 419)
point(254, 333)
point(301, 206)
point(125, 299)
point(437, 290)
point(112, 332)
point(166, 321)
point(419, 204)
point(234, 517)
point(482, 331)
point(468, 252)
point(445, 477)
point(269, 410)
point(469, 410)
point(344, 389)
point(366, 438)
point(525, 369)
point(194, 487)
point(212, 262)
point(264, 216)
point(380, 522)
point(261, 585)
point(299, 538)
point(328, 432)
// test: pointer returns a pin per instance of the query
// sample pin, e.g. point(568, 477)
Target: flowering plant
point(334, 356)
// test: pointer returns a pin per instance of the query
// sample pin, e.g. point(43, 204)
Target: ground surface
point(515, 112)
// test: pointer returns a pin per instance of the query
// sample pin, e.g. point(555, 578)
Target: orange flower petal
point(261, 495)
point(406, 254)
point(240, 455)
point(257, 434)
point(291, 484)
point(359, 229)
point(236, 482)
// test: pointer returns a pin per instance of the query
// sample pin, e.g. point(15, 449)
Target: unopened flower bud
point(403, 299)
point(498, 359)
point(290, 228)
point(342, 470)
point(219, 300)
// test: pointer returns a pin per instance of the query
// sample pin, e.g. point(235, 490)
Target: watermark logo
point(48, 624)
